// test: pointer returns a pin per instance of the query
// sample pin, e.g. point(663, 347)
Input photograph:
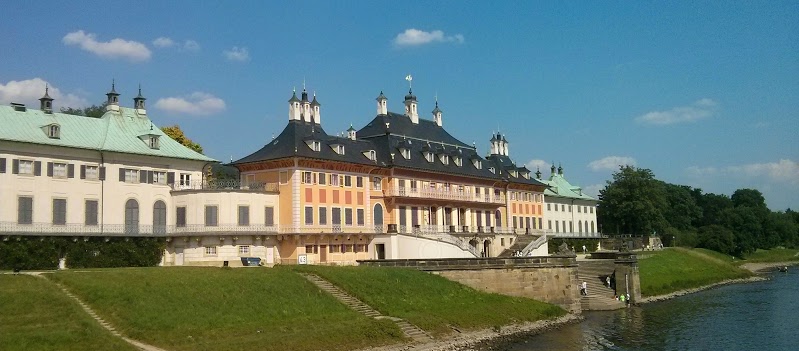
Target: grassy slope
point(676, 269)
point(430, 301)
point(225, 309)
point(773, 255)
point(36, 315)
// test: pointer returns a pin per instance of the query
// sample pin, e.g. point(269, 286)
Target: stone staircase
point(600, 297)
point(411, 331)
point(519, 244)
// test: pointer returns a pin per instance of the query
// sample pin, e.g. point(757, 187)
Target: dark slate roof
point(294, 97)
point(292, 142)
point(503, 164)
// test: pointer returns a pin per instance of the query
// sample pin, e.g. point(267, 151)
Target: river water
point(761, 316)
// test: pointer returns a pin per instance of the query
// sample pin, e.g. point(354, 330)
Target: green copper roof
point(124, 131)
point(560, 187)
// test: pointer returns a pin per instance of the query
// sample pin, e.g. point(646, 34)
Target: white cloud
point(238, 54)
point(593, 190)
point(29, 91)
point(414, 37)
point(782, 171)
point(700, 109)
point(116, 48)
point(191, 45)
point(611, 163)
point(536, 164)
point(197, 103)
point(163, 42)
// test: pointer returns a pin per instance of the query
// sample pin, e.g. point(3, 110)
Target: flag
point(409, 78)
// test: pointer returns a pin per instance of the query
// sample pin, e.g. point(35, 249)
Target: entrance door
point(178, 256)
point(380, 249)
point(322, 253)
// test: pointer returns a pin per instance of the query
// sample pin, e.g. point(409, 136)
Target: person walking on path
point(584, 289)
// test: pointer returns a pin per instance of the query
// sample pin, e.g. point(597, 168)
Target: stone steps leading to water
point(600, 297)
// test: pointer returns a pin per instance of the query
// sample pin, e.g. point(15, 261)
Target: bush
point(95, 252)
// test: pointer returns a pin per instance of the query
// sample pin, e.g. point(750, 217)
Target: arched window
point(377, 216)
point(132, 217)
point(486, 248)
point(592, 227)
point(498, 217)
point(580, 226)
point(159, 218)
point(586, 227)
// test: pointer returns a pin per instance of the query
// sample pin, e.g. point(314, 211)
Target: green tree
point(91, 111)
point(682, 211)
point(717, 238)
point(712, 207)
point(176, 134)
point(632, 203)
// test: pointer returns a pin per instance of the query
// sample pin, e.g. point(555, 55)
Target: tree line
point(637, 203)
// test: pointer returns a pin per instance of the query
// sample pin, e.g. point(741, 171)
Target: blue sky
point(704, 94)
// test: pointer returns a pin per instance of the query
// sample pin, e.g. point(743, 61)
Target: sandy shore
point(472, 340)
point(767, 267)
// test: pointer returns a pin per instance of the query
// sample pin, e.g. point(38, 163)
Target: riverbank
point(481, 339)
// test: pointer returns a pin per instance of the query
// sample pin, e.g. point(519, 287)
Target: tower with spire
point(382, 104)
point(112, 104)
point(294, 107)
point(46, 102)
point(437, 114)
point(317, 118)
point(410, 107)
point(138, 103)
point(306, 105)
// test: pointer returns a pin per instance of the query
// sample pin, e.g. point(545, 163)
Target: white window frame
point(26, 167)
point(428, 156)
point(210, 251)
point(92, 172)
point(131, 175)
point(244, 250)
point(59, 170)
point(158, 177)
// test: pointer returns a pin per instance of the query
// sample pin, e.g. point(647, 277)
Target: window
point(336, 213)
point(26, 167)
point(59, 170)
point(335, 248)
point(360, 215)
point(128, 175)
point(322, 215)
point(377, 183)
point(159, 217)
point(212, 216)
point(371, 154)
point(25, 210)
point(458, 161)
point(322, 178)
point(185, 179)
point(59, 211)
point(180, 216)
point(579, 209)
point(90, 172)
point(406, 153)
point(284, 177)
point(414, 186)
point(91, 210)
point(549, 207)
point(359, 182)
point(308, 215)
point(315, 145)
point(556, 207)
point(311, 249)
point(339, 149)
point(307, 178)
point(159, 178)
point(2, 165)
point(54, 131)
point(244, 250)
point(348, 216)
point(428, 156)
point(348, 181)
point(492, 170)
point(153, 142)
point(549, 223)
point(477, 164)
point(444, 159)
point(132, 217)
point(334, 180)
point(592, 209)
point(570, 208)
point(269, 216)
point(244, 215)
point(210, 251)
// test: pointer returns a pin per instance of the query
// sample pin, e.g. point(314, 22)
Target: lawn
point(185, 308)
point(773, 255)
point(432, 302)
point(36, 315)
point(670, 270)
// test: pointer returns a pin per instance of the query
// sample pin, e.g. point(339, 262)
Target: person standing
point(584, 289)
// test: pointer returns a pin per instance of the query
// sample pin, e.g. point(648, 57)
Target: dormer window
point(315, 145)
point(492, 170)
point(338, 148)
point(477, 164)
point(54, 131)
point(444, 159)
point(370, 154)
point(513, 173)
point(428, 156)
point(153, 142)
point(458, 161)
point(526, 175)
point(406, 153)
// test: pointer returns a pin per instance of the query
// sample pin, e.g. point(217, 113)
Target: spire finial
point(46, 88)
point(139, 89)
point(303, 83)
point(294, 89)
point(409, 78)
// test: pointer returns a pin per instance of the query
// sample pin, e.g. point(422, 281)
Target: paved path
point(138, 344)
point(410, 330)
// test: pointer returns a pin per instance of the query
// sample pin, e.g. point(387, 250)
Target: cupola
point(437, 114)
point(382, 107)
point(294, 107)
point(46, 102)
point(315, 110)
point(410, 107)
point(351, 133)
point(112, 104)
point(138, 103)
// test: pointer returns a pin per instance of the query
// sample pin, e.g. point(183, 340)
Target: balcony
point(225, 185)
point(444, 194)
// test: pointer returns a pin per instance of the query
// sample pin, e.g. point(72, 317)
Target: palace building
point(399, 187)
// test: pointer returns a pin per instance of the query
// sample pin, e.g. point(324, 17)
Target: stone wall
point(551, 279)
